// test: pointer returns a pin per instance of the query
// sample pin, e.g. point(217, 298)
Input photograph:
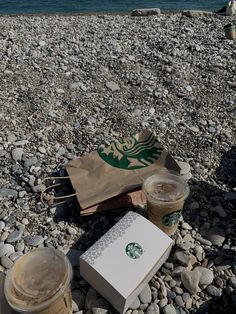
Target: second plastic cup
point(165, 193)
point(39, 282)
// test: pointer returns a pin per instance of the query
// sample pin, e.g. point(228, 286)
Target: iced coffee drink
point(165, 193)
point(39, 282)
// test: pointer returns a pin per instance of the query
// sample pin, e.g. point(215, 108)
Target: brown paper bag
point(118, 168)
point(131, 199)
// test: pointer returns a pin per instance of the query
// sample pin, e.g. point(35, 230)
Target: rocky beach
point(69, 84)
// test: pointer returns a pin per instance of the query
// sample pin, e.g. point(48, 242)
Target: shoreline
point(164, 12)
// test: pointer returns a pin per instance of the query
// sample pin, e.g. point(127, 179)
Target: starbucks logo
point(131, 153)
point(134, 250)
point(171, 219)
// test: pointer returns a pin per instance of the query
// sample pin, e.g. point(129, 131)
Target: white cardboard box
point(121, 263)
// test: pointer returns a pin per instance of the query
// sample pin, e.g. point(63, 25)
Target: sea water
point(93, 6)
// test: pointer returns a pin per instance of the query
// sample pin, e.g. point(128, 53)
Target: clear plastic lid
point(37, 278)
point(166, 187)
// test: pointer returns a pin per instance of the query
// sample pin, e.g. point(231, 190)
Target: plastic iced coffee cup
point(165, 193)
point(39, 282)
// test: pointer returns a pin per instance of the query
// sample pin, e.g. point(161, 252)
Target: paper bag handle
point(51, 187)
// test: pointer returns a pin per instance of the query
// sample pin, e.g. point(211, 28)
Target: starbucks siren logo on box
point(134, 250)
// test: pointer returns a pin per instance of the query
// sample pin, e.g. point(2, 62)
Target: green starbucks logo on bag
point(171, 219)
point(134, 250)
point(131, 153)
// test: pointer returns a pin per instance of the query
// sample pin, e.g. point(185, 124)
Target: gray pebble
point(185, 246)
point(14, 236)
point(199, 253)
point(232, 282)
point(171, 294)
point(184, 167)
point(76, 86)
point(72, 231)
point(22, 194)
point(25, 221)
point(8, 192)
point(20, 246)
point(30, 162)
point(186, 226)
point(194, 206)
point(211, 129)
point(169, 265)
point(143, 307)
point(136, 304)
point(229, 290)
point(6, 262)
point(42, 43)
point(4, 236)
point(220, 211)
point(167, 277)
point(185, 258)
point(42, 150)
point(206, 275)
point(216, 235)
point(98, 310)
point(177, 271)
point(15, 256)
point(178, 290)
point(204, 241)
point(2, 225)
point(112, 86)
point(34, 240)
point(194, 129)
point(17, 153)
point(153, 309)
point(226, 265)
point(190, 280)
point(146, 295)
point(212, 290)
point(179, 300)
point(6, 249)
point(230, 196)
point(186, 296)
point(163, 302)
point(172, 283)
point(169, 309)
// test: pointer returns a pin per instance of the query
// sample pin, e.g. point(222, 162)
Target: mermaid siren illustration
point(132, 153)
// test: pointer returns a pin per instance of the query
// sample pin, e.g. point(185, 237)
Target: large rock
point(185, 258)
point(190, 280)
point(216, 235)
point(146, 295)
point(146, 12)
point(196, 13)
point(206, 275)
